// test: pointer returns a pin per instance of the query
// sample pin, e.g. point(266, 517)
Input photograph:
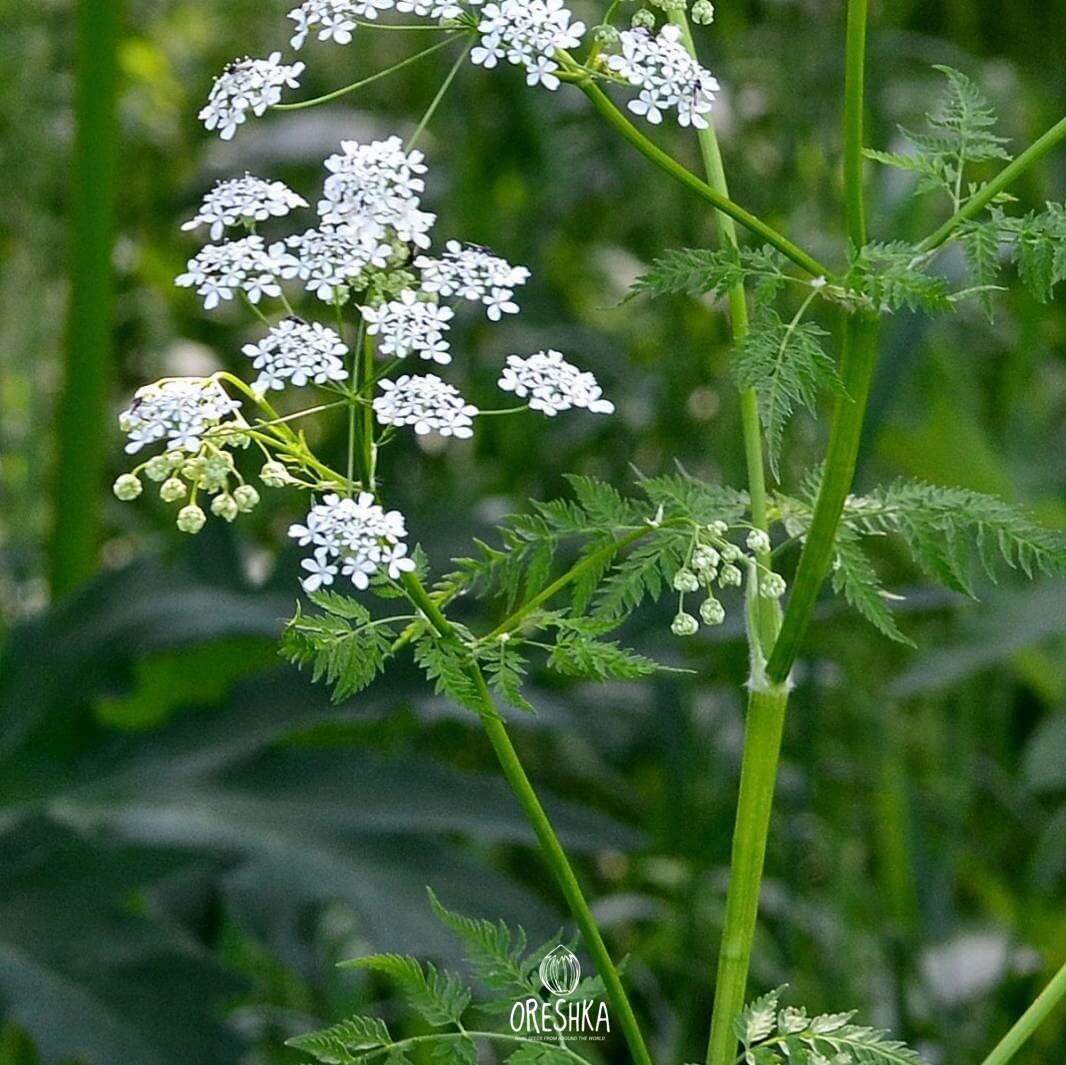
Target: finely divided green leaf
point(437, 995)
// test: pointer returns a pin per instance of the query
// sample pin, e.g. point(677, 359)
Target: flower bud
point(172, 490)
point(605, 35)
point(225, 506)
point(758, 541)
point(717, 528)
point(686, 581)
point(274, 475)
point(643, 20)
point(127, 487)
point(705, 558)
point(712, 612)
point(730, 577)
point(731, 553)
point(157, 468)
point(684, 625)
point(191, 519)
point(703, 12)
point(247, 498)
point(772, 586)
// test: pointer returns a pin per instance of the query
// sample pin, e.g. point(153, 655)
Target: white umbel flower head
point(431, 8)
point(667, 76)
point(334, 20)
point(410, 325)
point(552, 384)
point(330, 260)
point(297, 352)
point(247, 85)
point(357, 535)
point(469, 272)
point(427, 403)
point(373, 189)
point(178, 411)
point(219, 271)
point(242, 201)
point(527, 33)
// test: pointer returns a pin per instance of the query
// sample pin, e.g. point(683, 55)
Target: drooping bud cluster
point(244, 201)
point(715, 560)
point(552, 384)
point(428, 404)
point(247, 85)
point(297, 352)
point(355, 537)
point(527, 33)
point(666, 74)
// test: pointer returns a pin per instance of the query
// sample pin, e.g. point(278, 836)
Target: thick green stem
point(666, 163)
point(987, 193)
point(1030, 1020)
point(758, 776)
point(81, 458)
point(551, 848)
point(854, 108)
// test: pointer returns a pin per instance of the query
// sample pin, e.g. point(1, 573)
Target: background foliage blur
point(190, 835)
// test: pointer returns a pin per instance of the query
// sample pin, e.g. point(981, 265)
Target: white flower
point(320, 569)
point(431, 8)
point(552, 384)
point(410, 325)
point(470, 272)
point(335, 20)
point(527, 33)
point(296, 352)
point(178, 411)
point(373, 191)
point(330, 260)
point(244, 200)
point(359, 534)
point(427, 403)
point(247, 85)
point(666, 74)
point(219, 271)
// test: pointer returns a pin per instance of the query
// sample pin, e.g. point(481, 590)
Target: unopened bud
point(703, 12)
point(772, 586)
point(247, 498)
point(172, 490)
point(712, 612)
point(758, 541)
point(643, 20)
point(730, 577)
point(157, 468)
point(127, 487)
point(224, 506)
point(684, 625)
point(191, 519)
point(686, 581)
point(274, 475)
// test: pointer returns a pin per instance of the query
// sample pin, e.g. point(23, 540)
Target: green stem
point(758, 775)
point(551, 848)
point(988, 192)
point(854, 108)
point(338, 93)
point(769, 613)
point(441, 1037)
point(666, 163)
point(441, 92)
point(81, 458)
point(367, 429)
point(1030, 1020)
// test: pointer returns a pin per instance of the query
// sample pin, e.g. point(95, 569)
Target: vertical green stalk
point(82, 415)
point(1029, 1021)
point(551, 848)
point(758, 777)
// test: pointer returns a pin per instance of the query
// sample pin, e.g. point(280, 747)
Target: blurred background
point(191, 835)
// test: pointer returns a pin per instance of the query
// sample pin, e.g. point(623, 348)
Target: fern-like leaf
point(344, 1043)
point(506, 669)
point(437, 995)
point(855, 578)
point(699, 271)
point(447, 666)
point(891, 277)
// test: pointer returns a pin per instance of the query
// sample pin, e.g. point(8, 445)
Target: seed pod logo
point(560, 971)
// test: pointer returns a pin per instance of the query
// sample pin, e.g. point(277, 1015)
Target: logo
point(561, 1013)
point(560, 971)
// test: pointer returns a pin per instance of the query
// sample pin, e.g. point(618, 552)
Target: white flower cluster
point(329, 260)
point(427, 403)
point(373, 189)
point(527, 33)
point(247, 85)
point(667, 76)
point(242, 201)
point(473, 273)
point(296, 352)
point(409, 326)
point(179, 411)
point(552, 384)
point(337, 20)
point(219, 271)
point(355, 536)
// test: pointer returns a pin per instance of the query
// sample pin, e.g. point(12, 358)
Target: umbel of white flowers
point(371, 248)
point(531, 34)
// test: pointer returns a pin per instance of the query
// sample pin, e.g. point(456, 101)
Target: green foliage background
point(191, 836)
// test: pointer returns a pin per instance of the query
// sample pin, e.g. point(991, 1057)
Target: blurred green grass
point(917, 869)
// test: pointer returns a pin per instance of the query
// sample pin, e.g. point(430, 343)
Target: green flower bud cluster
point(703, 12)
point(715, 560)
point(644, 19)
point(182, 476)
